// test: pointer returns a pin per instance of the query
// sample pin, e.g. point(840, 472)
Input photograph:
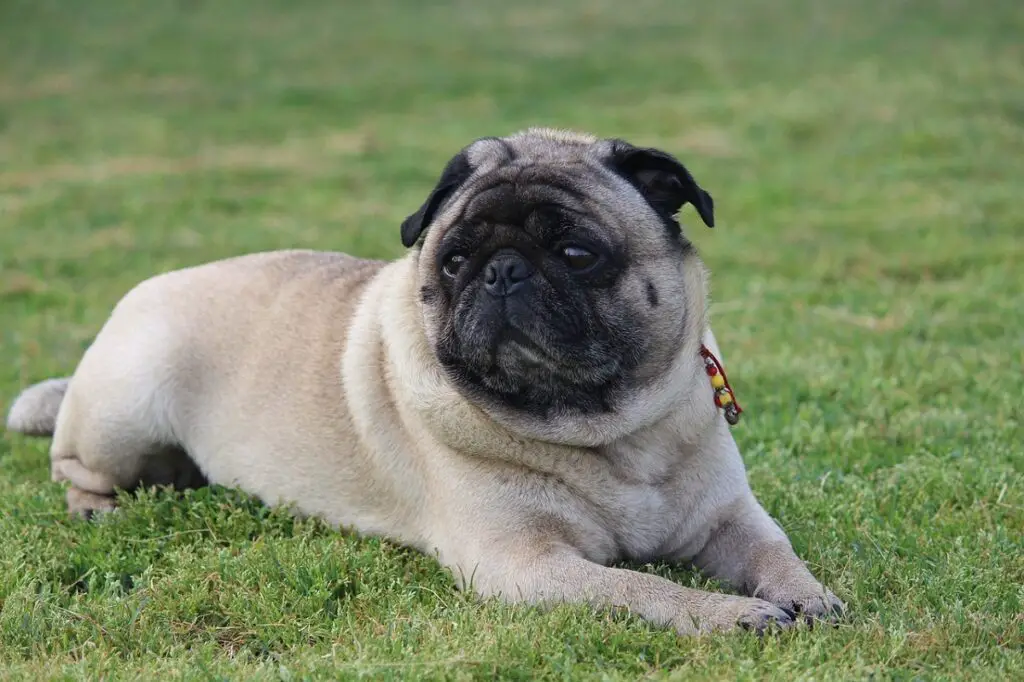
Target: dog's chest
point(655, 501)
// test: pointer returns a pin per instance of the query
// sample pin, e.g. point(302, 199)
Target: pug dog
point(525, 394)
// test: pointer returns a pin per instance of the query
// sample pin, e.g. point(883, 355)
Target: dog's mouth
point(521, 363)
point(514, 349)
point(528, 349)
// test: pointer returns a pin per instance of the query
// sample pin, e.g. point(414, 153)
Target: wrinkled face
point(552, 272)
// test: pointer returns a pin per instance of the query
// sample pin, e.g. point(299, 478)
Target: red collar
point(724, 397)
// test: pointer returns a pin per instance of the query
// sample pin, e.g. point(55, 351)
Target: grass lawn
point(867, 163)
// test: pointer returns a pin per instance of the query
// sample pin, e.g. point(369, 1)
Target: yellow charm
point(717, 382)
point(724, 398)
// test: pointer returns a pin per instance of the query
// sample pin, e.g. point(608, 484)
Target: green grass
point(867, 162)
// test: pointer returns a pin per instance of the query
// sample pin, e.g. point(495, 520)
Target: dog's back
point(211, 362)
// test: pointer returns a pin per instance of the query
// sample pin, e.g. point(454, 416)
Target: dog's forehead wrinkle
point(513, 200)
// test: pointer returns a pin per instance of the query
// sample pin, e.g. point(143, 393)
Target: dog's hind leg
point(115, 426)
point(104, 441)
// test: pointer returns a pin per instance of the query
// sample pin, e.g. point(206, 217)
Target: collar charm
point(724, 397)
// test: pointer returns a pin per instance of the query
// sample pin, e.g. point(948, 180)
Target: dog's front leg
point(560, 574)
point(751, 552)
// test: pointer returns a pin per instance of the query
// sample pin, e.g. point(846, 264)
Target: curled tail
point(34, 411)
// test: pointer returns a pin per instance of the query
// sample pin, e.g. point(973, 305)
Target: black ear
point(455, 173)
point(662, 179)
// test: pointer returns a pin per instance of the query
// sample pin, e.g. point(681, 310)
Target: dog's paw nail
point(811, 610)
point(767, 617)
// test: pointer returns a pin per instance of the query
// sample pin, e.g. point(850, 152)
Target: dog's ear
point(662, 179)
point(455, 173)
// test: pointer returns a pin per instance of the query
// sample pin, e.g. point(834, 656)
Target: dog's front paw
point(725, 613)
point(730, 612)
point(817, 603)
point(761, 615)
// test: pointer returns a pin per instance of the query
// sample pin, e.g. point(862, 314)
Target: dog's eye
point(578, 258)
point(453, 264)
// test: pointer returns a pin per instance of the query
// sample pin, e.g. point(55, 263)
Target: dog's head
point(554, 278)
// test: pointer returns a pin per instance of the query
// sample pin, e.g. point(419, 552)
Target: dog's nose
point(506, 273)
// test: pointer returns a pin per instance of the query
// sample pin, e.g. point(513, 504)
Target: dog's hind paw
point(86, 505)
